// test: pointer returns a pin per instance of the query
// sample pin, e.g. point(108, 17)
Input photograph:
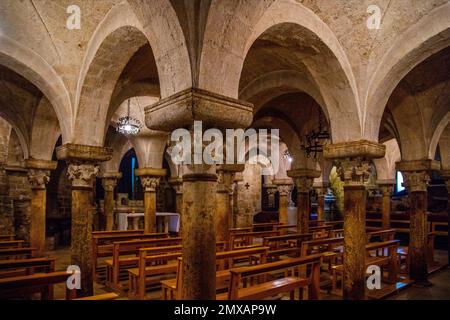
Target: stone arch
point(35, 69)
point(116, 39)
point(442, 127)
point(265, 88)
point(252, 19)
point(430, 35)
point(45, 131)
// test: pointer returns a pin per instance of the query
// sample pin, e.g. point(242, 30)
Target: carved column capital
point(109, 180)
point(284, 189)
point(38, 178)
point(82, 174)
point(354, 171)
point(149, 183)
point(303, 184)
point(416, 181)
point(177, 184)
point(39, 172)
point(386, 187)
point(150, 177)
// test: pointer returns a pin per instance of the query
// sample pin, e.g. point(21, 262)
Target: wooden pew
point(316, 223)
point(102, 243)
point(331, 248)
point(20, 286)
point(7, 237)
point(131, 247)
point(285, 228)
point(321, 231)
point(99, 297)
point(240, 230)
point(265, 226)
point(10, 268)
point(382, 254)
point(335, 224)
point(384, 235)
point(337, 233)
point(246, 238)
point(242, 285)
point(120, 263)
point(16, 253)
point(224, 261)
point(277, 242)
point(9, 244)
point(431, 264)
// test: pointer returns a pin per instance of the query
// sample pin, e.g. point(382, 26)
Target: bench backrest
point(321, 245)
point(238, 274)
point(44, 264)
point(11, 244)
point(247, 237)
point(384, 235)
point(16, 252)
point(274, 241)
point(7, 237)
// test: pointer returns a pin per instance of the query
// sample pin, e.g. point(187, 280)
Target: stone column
point(82, 170)
point(303, 179)
point(283, 186)
point(416, 175)
point(109, 182)
point(199, 186)
point(445, 174)
point(38, 176)
point(321, 191)
point(150, 179)
point(223, 214)
point(354, 170)
point(386, 188)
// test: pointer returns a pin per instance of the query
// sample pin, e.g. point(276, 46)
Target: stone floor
point(439, 291)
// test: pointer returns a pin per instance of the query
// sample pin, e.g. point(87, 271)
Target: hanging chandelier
point(128, 125)
point(315, 140)
point(287, 155)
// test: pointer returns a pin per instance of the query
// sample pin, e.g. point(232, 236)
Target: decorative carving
point(149, 183)
point(82, 174)
point(38, 178)
point(354, 171)
point(303, 184)
point(109, 184)
point(283, 190)
point(416, 181)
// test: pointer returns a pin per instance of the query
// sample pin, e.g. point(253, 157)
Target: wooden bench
point(119, 263)
point(316, 223)
point(20, 286)
point(102, 243)
point(224, 261)
point(382, 254)
point(131, 247)
point(11, 244)
point(335, 224)
point(246, 238)
point(16, 253)
point(11, 268)
point(285, 244)
point(331, 248)
point(7, 237)
point(265, 226)
point(431, 264)
point(258, 282)
point(383, 235)
point(321, 231)
point(285, 228)
point(99, 297)
point(240, 230)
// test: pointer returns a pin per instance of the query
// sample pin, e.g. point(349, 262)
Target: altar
point(165, 221)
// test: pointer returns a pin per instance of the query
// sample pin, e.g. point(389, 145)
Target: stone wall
point(248, 195)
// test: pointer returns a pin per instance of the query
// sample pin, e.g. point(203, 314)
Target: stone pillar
point(223, 214)
point(177, 185)
point(386, 188)
point(109, 183)
point(354, 170)
point(38, 176)
point(199, 187)
point(82, 170)
point(445, 174)
point(283, 186)
point(303, 179)
point(321, 191)
point(416, 175)
point(150, 179)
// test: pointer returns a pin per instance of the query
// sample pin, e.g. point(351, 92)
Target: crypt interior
point(88, 177)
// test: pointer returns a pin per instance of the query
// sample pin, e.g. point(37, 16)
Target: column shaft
point(149, 211)
point(81, 248)
point(354, 242)
point(418, 236)
point(303, 211)
point(109, 210)
point(199, 240)
point(282, 218)
point(37, 224)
